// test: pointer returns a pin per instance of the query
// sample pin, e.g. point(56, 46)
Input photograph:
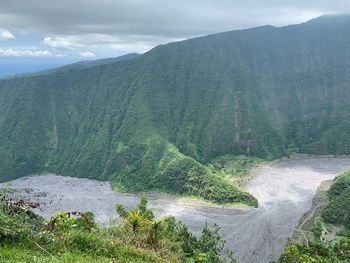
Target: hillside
point(72, 236)
point(153, 121)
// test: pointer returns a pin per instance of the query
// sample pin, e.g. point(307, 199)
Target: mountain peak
point(331, 18)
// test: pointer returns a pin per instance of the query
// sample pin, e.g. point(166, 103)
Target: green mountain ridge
point(92, 63)
point(84, 64)
point(153, 121)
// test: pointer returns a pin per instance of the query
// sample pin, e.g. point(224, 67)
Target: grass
point(237, 168)
point(21, 253)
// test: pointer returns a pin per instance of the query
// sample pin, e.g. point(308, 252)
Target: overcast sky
point(64, 30)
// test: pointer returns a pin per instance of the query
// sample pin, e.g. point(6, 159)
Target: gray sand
point(284, 190)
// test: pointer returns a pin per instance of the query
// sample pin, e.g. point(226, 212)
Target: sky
point(36, 34)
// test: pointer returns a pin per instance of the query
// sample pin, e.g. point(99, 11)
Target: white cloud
point(6, 34)
point(98, 42)
point(61, 42)
point(27, 53)
point(87, 54)
point(136, 25)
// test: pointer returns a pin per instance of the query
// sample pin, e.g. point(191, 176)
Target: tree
point(135, 221)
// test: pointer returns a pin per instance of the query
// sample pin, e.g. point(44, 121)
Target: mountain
point(153, 122)
point(74, 66)
point(92, 63)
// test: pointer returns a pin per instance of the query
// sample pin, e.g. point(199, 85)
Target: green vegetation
point(156, 121)
point(163, 167)
point(237, 168)
point(338, 251)
point(336, 212)
point(334, 141)
point(75, 237)
point(338, 209)
point(317, 230)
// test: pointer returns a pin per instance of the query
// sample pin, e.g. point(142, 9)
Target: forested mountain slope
point(150, 122)
point(91, 63)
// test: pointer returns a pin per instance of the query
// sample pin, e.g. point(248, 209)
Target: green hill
point(154, 121)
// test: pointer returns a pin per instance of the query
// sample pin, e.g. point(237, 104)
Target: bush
point(338, 209)
point(317, 229)
point(17, 221)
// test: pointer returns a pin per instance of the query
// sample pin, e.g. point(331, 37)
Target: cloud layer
point(27, 53)
point(138, 25)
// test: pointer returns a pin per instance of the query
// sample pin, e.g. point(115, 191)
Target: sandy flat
point(284, 191)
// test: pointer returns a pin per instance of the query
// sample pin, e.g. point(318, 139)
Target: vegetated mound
point(338, 209)
point(153, 121)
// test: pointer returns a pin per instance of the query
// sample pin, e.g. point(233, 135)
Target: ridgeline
point(155, 121)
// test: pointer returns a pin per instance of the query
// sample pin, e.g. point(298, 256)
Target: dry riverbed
point(284, 190)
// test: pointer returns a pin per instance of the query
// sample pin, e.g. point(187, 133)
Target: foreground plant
point(159, 234)
point(75, 237)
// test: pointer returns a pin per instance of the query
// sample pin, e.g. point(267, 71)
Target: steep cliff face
point(256, 92)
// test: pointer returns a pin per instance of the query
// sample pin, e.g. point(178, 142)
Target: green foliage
point(317, 229)
point(135, 221)
point(86, 221)
point(208, 247)
point(69, 237)
point(144, 210)
point(13, 227)
point(334, 141)
point(338, 209)
point(155, 228)
point(163, 167)
point(121, 210)
point(141, 209)
point(63, 223)
point(152, 122)
point(236, 167)
point(335, 252)
point(298, 254)
point(16, 219)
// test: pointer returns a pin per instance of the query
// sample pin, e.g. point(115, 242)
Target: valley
point(193, 126)
point(284, 191)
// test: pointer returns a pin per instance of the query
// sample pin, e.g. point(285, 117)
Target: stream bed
point(284, 190)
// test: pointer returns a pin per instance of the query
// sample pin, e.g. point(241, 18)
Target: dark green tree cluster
point(337, 251)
